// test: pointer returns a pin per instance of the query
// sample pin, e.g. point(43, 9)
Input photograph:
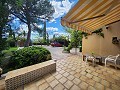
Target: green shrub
point(11, 42)
point(1, 58)
point(27, 56)
point(4, 45)
point(69, 47)
point(80, 48)
point(43, 42)
point(66, 50)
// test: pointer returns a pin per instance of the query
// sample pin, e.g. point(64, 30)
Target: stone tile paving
point(74, 74)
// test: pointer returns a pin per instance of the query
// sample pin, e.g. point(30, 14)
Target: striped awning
point(90, 15)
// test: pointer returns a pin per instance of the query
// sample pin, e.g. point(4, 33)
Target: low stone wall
point(19, 77)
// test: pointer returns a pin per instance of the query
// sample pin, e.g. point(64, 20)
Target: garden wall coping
point(19, 77)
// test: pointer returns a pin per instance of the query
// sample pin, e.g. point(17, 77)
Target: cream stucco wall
point(103, 46)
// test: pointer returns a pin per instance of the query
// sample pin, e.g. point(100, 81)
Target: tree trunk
point(0, 35)
point(28, 35)
point(0, 39)
point(28, 18)
point(44, 32)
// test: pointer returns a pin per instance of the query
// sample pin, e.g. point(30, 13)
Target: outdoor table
point(100, 59)
point(95, 56)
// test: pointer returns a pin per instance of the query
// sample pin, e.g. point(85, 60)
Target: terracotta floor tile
point(70, 77)
point(53, 83)
point(58, 76)
point(91, 88)
point(89, 71)
point(41, 81)
point(84, 78)
point(94, 73)
point(115, 87)
point(74, 87)
point(91, 82)
point(105, 83)
point(97, 79)
point(50, 79)
point(59, 87)
point(99, 86)
point(77, 75)
point(76, 81)
point(66, 74)
point(62, 71)
point(72, 72)
point(43, 86)
point(49, 88)
point(63, 80)
point(68, 84)
point(73, 68)
point(83, 85)
point(89, 75)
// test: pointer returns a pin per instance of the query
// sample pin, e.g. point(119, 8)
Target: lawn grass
point(13, 48)
point(9, 51)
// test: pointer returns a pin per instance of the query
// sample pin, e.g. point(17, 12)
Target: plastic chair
point(112, 59)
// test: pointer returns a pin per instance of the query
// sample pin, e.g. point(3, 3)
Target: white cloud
point(23, 27)
point(17, 19)
point(56, 33)
point(61, 33)
point(53, 20)
point(61, 7)
point(40, 26)
point(52, 29)
point(50, 36)
point(14, 21)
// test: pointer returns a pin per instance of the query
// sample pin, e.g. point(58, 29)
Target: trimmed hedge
point(27, 56)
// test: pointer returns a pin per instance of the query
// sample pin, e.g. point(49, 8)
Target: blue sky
point(61, 8)
point(54, 26)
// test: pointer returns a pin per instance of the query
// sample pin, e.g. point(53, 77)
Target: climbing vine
point(98, 32)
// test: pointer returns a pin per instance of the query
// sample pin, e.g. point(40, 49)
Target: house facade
point(103, 46)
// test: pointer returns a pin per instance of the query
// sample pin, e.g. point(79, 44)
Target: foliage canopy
point(31, 11)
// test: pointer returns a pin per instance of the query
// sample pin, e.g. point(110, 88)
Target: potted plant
point(92, 53)
point(66, 50)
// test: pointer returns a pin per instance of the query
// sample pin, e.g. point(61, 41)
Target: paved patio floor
point(73, 74)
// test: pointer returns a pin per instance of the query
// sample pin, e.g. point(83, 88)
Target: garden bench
point(19, 77)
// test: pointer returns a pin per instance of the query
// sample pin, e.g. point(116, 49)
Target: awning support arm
point(113, 5)
point(88, 19)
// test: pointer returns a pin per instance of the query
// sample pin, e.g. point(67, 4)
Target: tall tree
point(29, 11)
point(38, 29)
point(4, 14)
